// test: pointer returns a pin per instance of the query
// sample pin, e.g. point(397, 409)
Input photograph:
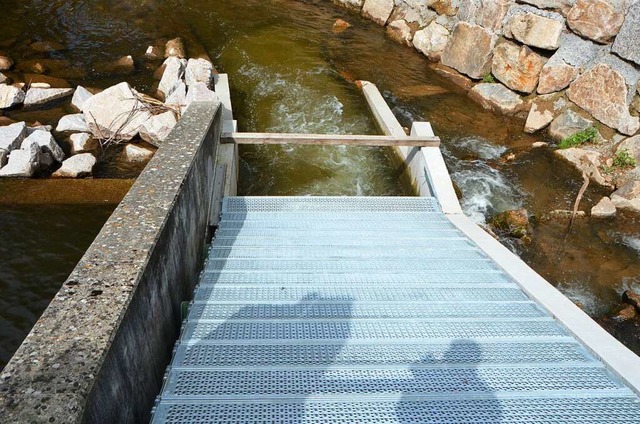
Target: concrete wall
point(99, 351)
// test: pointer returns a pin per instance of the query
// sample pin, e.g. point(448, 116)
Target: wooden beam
point(330, 139)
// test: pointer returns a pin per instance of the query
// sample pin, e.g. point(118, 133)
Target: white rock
point(153, 53)
point(538, 119)
point(82, 143)
point(4, 157)
point(158, 127)
point(200, 93)
point(199, 70)
point(10, 96)
point(378, 10)
point(604, 209)
point(626, 197)
point(497, 97)
point(22, 162)
point(536, 31)
point(178, 97)
point(136, 154)
point(80, 96)
point(40, 96)
point(3, 78)
point(12, 135)
point(115, 113)
point(172, 75)
point(586, 161)
point(77, 166)
point(47, 144)
point(431, 41)
point(73, 123)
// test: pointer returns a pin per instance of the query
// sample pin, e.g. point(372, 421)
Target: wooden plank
point(330, 139)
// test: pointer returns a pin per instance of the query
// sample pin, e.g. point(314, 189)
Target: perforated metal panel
point(371, 310)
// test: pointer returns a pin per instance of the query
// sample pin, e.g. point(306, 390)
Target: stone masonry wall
point(528, 58)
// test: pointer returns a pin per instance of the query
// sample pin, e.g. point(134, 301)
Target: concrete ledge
point(99, 351)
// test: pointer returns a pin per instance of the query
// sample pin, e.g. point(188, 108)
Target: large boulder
point(626, 44)
point(487, 13)
point(518, 67)
point(41, 96)
point(78, 166)
point(586, 161)
point(400, 31)
point(72, 123)
point(158, 127)
point(23, 162)
point(199, 70)
point(470, 50)
point(431, 41)
point(626, 197)
point(378, 10)
point(603, 92)
point(116, 113)
point(11, 136)
point(598, 20)
point(444, 7)
point(498, 98)
point(604, 209)
point(172, 76)
point(10, 96)
point(535, 30)
point(567, 124)
point(543, 111)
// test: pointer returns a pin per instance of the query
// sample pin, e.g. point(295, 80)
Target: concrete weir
point(99, 351)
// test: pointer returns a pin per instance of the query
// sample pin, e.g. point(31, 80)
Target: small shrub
point(488, 78)
point(584, 136)
point(623, 159)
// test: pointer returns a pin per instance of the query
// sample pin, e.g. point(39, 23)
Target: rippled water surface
point(290, 73)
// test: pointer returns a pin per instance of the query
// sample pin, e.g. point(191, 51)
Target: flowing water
point(290, 73)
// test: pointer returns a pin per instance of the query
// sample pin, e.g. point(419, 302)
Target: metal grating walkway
point(371, 310)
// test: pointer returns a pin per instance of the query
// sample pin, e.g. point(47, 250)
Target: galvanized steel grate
point(351, 310)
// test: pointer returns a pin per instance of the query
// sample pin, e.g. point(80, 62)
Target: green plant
point(488, 78)
point(623, 159)
point(584, 136)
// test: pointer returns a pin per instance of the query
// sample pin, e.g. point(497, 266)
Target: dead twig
point(576, 205)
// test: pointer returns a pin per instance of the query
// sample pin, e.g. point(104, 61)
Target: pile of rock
point(118, 114)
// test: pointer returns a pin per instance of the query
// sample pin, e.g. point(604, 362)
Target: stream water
point(289, 72)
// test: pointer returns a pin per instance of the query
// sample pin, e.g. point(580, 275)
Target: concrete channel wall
point(99, 352)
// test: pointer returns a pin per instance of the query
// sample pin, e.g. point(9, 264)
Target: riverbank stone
point(175, 48)
point(136, 154)
point(488, 14)
point(72, 123)
point(431, 40)
point(627, 196)
point(632, 146)
point(598, 20)
point(632, 298)
point(415, 13)
point(4, 79)
point(497, 97)
point(603, 92)
point(36, 97)
point(604, 209)
point(80, 96)
point(586, 161)
point(23, 162)
point(174, 70)
point(10, 96)
point(626, 44)
point(198, 70)
point(47, 143)
point(567, 124)
point(78, 166)
point(199, 92)
point(378, 11)
point(517, 67)
point(122, 66)
point(444, 7)
point(535, 30)
point(82, 143)
point(11, 136)
point(470, 50)
point(6, 63)
point(513, 223)
point(115, 113)
point(156, 129)
point(540, 116)
point(400, 32)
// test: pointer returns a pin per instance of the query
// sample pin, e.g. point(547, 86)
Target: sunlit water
point(290, 73)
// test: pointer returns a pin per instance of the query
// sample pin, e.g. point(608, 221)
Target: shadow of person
point(266, 357)
point(450, 389)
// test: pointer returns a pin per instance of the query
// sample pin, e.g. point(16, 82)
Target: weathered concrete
point(93, 355)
